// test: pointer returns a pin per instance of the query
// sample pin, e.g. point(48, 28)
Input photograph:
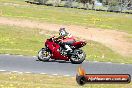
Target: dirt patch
point(113, 39)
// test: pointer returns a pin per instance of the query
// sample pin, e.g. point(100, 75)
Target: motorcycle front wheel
point(78, 57)
point(44, 54)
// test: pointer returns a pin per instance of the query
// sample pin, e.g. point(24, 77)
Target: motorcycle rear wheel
point(78, 57)
point(44, 54)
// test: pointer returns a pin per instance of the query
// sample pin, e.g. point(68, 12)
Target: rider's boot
point(68, 49)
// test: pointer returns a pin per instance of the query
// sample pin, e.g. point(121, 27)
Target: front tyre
point(78, 57)
point(44, 54)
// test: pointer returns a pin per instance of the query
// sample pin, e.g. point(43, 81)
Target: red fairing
point(79, 44)
point(54, 48)
point(68, 39)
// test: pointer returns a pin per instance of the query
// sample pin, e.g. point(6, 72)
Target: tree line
point(120, 5)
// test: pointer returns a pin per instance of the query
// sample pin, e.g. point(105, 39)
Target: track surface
point(30, 64)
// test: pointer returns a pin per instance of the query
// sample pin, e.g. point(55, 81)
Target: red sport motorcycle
point(54, 50)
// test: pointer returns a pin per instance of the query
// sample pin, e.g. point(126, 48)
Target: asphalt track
point(28, 64)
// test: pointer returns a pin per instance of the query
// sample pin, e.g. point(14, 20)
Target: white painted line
point(67, 75)
point(54, 74)
point(2, 70)
point(7, 54)
point(103, 62)
point(20, 55)
point(27, 72)
point(19, 72)
point(15, 71)
point(122, 63)
point(34, 56)
point(43, 73)
point(109, 62)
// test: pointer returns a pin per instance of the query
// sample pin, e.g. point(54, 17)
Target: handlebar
point(55, 39)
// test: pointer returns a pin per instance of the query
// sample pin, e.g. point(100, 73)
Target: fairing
point(54, 48)
point(79, 44)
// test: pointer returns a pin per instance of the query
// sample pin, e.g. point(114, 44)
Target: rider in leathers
point(66, 39)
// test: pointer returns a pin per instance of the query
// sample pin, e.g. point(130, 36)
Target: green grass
point(27, 41)
point(17, 40)
point(15, 80)
point(98, 52)
point(13, 1)
point(89, 18)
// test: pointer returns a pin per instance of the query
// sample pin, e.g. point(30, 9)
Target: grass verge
point(14, 80)
point(89, 18)
point(27, 41)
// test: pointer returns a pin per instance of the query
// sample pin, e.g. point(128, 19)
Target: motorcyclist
point(65, 39)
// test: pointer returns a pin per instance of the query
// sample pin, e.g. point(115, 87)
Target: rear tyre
point(78, 57)
point(44, 54)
